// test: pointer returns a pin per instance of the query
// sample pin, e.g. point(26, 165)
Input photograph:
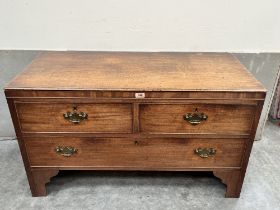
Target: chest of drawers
point(135, 111)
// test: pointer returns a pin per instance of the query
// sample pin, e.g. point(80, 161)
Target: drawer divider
point(136, 128)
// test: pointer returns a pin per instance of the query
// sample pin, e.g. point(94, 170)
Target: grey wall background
point(11, 63)
point(169, 25)
point(264, 67)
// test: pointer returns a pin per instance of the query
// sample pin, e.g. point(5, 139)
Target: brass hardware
point(205, 152)
point(195, 118)
point(75, 117)
point(66, 151)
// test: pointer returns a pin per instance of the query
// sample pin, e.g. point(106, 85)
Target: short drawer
point(137, 154)
point(95, 118)
point(196, 118)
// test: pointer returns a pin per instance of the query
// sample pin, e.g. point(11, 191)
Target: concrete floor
point(135, 190)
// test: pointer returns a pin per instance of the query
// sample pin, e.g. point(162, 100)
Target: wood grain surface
point(134, 153)
point(100, 94)
point(222, 119)
point(136, 71)
point(102, 118)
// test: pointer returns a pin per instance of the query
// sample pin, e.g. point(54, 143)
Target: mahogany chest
point(135, 111)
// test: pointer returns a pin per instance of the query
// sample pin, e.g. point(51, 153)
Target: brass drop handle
point(75, 116)
point(205, 152)
point(195, 118)
point(66, 151)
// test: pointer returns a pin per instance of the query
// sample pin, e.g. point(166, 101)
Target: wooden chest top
point(123, 71)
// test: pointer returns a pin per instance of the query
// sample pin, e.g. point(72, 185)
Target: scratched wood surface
point(136, 71)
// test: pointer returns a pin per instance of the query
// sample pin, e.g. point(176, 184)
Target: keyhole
point(136, 142)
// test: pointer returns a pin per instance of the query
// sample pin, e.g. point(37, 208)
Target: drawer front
point(134, 154)
point(96, 118)
point(221, 119)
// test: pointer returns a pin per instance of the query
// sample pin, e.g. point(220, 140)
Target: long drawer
point(196, 118)
point(63, 117)
point(134, 153)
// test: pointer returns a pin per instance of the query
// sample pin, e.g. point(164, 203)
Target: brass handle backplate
point(205, 152)
point(195, 118)
point(75, 116)
point(66, 151)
